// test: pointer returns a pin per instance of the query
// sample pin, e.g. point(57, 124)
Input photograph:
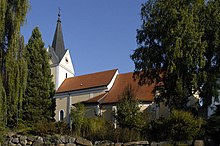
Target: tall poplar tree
point(38, 104)
point(12, 64)
point(210, 86)
point(174, 48)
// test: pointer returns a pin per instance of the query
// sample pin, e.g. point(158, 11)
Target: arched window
point(61, 115)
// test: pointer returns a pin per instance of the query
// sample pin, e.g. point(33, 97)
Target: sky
point(100, 34)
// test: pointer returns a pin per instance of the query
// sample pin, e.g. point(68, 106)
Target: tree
point(38, 103)
point(16, 76)
point(212, 54)
point(173, 49)
point(12, 63)
point(128, 111)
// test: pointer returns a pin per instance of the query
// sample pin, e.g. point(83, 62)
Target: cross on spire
point(59, 10)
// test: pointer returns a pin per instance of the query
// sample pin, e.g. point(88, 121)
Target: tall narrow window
point(66, 75)
point(61, 117)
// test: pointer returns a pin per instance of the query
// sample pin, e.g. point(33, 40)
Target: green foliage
point(62, 128)
point(183, 126)
point(179, 127)
point(127, 135)
point(12, 64)
point(38, 103)
point(128, 111)
point(156, 130)
point(212, 37)
point(213, 126)
point(178, 45)
point(78, 118)
point(95, 129)
point(2, 104)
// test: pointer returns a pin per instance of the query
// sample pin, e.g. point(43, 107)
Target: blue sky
point(100, 34)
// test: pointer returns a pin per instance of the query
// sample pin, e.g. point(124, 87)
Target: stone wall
point(57, 140)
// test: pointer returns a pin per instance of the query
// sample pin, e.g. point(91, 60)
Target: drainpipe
point(69, 111)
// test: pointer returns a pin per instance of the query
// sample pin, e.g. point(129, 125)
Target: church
point(99, 91)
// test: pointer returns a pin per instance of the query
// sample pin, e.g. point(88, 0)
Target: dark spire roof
point(58, 42)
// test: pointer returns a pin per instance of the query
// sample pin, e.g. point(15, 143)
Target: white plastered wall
point(64, 69)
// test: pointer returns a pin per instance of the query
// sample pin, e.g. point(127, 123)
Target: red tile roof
point(93, 80)
point(95, 99)
point(142, 93)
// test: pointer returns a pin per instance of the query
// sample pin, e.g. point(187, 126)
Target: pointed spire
point(58, 42)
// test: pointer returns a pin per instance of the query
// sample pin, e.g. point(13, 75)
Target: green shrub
point(180, 126)
point(156, 130)
point(183, 126)
point(95, 129)
point(62, 128)
point(213, 126)
point(78, 119)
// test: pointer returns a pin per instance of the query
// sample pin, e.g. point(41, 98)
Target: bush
point(156, 130)
point(95, 129)
point(179, 127)
point(183, 126)
point(78, 118)
point(213, 126)
point(62, 128)
point(43, 128)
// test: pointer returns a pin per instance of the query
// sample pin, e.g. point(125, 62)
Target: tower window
point(66, 75)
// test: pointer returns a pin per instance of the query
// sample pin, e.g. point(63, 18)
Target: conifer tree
point(38, 103)
point(12, 64)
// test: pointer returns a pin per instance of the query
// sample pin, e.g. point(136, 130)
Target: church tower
point(60, 61)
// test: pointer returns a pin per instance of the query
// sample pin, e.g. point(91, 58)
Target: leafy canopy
point(174, 47)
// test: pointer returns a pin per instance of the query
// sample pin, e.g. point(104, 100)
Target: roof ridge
point(95, 73)
point(126, 73)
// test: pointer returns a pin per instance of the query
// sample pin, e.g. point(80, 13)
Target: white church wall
point(62, 70)
point(62, 73)
point(66, 63)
